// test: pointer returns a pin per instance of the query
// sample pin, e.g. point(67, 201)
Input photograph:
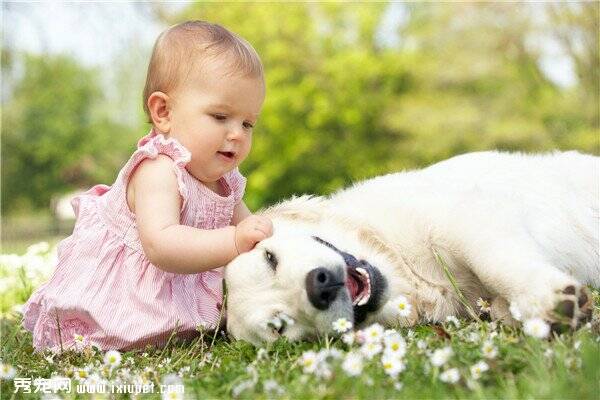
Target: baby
point(145, 255)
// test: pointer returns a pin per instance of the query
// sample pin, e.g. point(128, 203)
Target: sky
point(93, 32)
point(97, 32)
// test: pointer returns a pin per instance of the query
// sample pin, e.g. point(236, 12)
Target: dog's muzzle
point(365, 284)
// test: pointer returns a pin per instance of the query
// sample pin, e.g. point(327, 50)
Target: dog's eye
point(271, 259)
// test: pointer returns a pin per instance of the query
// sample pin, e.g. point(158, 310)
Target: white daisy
point(478, 368)
point(389, 332)
point(451, 319)
point(353, 364)
point(483, 305)
point(323, 371)
point(441, 356)
point(79, 341)
point(289, 321)
point(348, 338)
point(392, 365)
point(275, 323)
point(450, 375)
point(81, 374)
point(342, 325)
point(261, 353)
point(395, 345)
point(515, 311)
point(489, 350)
point(7, 371)
point(309, 361)
point(172, 395)
point(370, 349)
point(536, 327)
point(112, 358)
point(473, 337)
point(374, 333)
point(402, 306)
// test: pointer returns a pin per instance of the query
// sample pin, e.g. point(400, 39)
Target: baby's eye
point(248, 125)
point(219, 117)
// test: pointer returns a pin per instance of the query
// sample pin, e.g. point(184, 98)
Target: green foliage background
point(344, 102)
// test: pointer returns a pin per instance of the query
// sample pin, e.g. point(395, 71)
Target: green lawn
point(215, 367)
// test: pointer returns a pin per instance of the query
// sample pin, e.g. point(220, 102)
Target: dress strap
point(150, 146)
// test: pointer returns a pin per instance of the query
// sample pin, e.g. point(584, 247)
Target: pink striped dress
point(105, 289)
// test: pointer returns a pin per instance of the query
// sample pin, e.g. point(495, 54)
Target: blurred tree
point(328, 85)
point(478, 82)
point(52, 142)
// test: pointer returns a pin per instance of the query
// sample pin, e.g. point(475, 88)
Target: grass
point(213, 366)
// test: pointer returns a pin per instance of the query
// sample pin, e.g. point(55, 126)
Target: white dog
point(517, 230)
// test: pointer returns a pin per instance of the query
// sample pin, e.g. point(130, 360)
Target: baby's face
point(212, 115)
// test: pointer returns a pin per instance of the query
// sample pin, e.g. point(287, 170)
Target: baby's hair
point(178, 48)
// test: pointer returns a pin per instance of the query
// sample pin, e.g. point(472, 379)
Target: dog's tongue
point(352, 286)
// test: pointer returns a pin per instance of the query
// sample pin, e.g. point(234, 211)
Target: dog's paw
point(573, 308)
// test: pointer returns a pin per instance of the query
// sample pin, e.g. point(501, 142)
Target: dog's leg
point(511, 267)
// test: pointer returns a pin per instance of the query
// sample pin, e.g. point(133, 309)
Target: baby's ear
point(160, 113)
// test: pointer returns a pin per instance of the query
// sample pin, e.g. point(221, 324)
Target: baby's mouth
point(227, 154)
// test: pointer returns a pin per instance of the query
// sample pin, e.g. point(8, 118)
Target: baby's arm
point(167, 244)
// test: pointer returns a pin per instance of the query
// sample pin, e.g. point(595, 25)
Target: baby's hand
point(251, 231)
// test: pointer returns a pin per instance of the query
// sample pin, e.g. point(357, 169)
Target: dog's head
point(296, 286)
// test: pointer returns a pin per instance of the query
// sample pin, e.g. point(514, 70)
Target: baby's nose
point(235, 133)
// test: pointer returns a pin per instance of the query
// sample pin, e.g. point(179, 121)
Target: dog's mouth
point(366, 286)
point(358, 284)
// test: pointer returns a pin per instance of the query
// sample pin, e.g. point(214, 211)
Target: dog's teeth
point(362, 271)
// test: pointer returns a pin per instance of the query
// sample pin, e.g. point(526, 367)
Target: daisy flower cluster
point(373, 345)
point(111, 368)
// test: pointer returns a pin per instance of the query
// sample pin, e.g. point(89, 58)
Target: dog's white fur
point(512, 228)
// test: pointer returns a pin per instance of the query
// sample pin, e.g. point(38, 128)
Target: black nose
point(322, 286)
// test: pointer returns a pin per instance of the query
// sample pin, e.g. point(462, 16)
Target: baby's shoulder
point(154, 170)
point(151, 173)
